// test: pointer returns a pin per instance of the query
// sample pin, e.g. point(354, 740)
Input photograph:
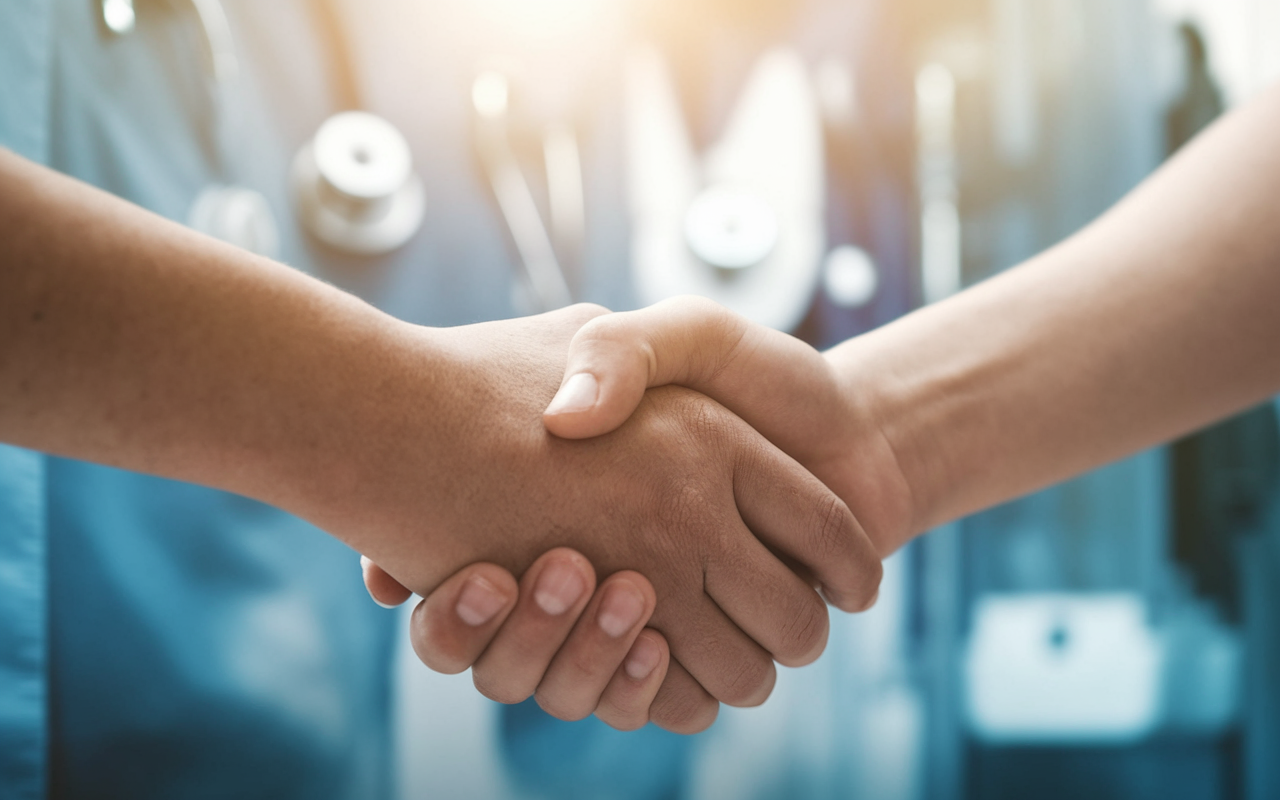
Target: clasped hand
point(717, 544)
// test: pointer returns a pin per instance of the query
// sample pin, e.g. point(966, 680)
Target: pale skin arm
point(128, 340)
point(1159, 318)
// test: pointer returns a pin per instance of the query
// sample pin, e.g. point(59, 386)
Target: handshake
point(719, 476)
point(723, 478)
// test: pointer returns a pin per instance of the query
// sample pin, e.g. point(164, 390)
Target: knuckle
point(870, 590)
point(748, 682)
point(673, 501)
point(506, 692)
point(621, 720)
point(613, 327)
point(835, 540)
point(561, 708)
point(702, 420)
point(434, 649)
point(834, 528)
point(585, 312)
point(805, 634)
point(684, 712)
point(689, 531)
point(866, 590)
point(687, 501)
point(715, 333)
point(696, 306)
point(583, 665)
point(439, 659)
point(603, 328)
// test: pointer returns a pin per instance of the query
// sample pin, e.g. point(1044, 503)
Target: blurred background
point(1117, 636)
point(822, 166)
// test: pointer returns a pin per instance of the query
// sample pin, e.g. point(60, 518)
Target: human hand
point(684, 493)
point(782, 387)
point(518, 642)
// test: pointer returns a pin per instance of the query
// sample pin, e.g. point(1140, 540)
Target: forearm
point(131, 341)
point(1161, 317)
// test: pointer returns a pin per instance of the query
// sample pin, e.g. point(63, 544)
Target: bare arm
point(131, 341)
point(1161, 317)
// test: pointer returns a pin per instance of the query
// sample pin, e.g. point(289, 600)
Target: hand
point(684, 493)
point(776, 383)
point(143, 345)
point(575, 661)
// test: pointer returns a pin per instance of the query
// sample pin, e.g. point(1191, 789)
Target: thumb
point(614, 358)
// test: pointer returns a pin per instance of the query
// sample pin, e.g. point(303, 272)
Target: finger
point(553, 593)
point(790, 510)
point(727, 663)
point(597, 647)
point(455, 623)
point(614, 358)
point(385, 590)
point(776, 608)
point(681, 704)
point(699, 344)
point(634, 686)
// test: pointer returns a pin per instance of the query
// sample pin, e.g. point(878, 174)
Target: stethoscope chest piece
point(741, 221)
point(355, 186)
point(730, 228)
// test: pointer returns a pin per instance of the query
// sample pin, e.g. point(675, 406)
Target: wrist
point(375, 417)
point(427, 430)
point(884, 492)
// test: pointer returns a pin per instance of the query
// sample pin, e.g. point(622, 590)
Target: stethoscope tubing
point(524, 221)
point(534, 242)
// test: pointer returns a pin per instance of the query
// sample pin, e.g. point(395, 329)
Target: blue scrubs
point(159, 639)
point(24, 70)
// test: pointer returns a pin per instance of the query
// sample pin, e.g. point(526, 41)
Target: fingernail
point(620, 610)
point(365, 564)
point(643, 659)
point(558, 588)
point(479, 601)
point(579, 393)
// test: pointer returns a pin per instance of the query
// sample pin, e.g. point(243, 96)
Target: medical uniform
point(159, 639)
point(24, 69)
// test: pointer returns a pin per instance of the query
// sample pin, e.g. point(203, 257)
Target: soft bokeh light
point(489, 94)
point(553, 19)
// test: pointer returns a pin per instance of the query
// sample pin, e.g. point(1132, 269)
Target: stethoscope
point(353, 185)
point(535, 241)
point(355, 190)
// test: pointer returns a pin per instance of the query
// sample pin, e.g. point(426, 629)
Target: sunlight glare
point(544, 18)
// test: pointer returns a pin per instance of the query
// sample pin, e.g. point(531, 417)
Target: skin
point(134, 342)
point(1159, 318)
